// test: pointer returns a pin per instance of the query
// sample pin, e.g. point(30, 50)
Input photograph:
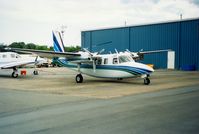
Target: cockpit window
point(99, 62)
point(12, 55)
point(124, 58)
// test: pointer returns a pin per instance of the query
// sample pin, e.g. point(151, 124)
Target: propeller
point(86, 50)
point(101, 51)
point(91, 58)
point(136, 56)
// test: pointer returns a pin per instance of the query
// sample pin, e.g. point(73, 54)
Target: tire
point(14, 75)
point(35, 72)
point(79, 78)
point(146, 81)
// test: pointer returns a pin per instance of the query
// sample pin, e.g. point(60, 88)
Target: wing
point(16, 64)
point(155, 51)
point(82, 62)
point(47, 54)
point(140, 55)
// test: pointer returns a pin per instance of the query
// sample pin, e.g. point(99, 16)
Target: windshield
point(124, 58)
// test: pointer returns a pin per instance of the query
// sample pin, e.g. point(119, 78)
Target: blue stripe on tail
point(57, 47)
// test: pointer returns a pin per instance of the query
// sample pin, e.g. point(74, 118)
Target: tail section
point(58, 42)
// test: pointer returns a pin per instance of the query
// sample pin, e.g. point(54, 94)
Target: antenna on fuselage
point(101, 51)
point(141, 50)
point(116, 51)
point(130, 53)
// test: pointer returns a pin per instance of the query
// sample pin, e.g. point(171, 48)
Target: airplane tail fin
point(58, 44)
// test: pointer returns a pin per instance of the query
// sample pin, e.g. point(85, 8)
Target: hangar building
point(182, 36)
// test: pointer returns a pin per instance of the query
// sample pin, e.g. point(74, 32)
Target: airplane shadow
point(10, 77)
point(124, 81)
point(5, 76)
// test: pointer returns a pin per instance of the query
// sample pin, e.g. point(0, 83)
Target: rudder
point(58, 44)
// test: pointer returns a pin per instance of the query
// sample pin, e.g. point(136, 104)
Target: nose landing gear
point(79, 78)
point(146, 81)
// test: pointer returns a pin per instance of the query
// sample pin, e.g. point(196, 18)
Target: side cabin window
point(115, 61)
point(4, 56)
point(105, 61)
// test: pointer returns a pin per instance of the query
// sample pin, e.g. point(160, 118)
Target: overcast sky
point(34, 20)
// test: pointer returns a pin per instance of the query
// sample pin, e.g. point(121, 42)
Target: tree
point(17, 45)
point(30, 46)
point(2, 46)
point(72, 49)
point(41, 47)
point(51, 48)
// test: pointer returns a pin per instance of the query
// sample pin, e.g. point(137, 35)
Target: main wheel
point(79, 78)
point(14, 75)
point(35, 72)
point(146, 81)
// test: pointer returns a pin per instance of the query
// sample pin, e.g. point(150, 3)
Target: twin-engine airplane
point(118, 65)
point(11, 60)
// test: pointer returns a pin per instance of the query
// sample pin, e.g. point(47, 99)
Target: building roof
point(144, 24)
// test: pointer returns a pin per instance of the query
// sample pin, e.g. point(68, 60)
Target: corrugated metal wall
point(189, 48)
point(180, 36)
point(154, 37)
point(106, 39)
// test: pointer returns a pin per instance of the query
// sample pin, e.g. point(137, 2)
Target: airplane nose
point(144, 66)
point(149, 68)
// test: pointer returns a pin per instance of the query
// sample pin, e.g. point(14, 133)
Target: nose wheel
point(146, 81)
point(79, 78)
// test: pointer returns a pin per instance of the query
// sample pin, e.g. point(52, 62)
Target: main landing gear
point(15, 73)
point(146, 81)
point(79, 78)
point(35, 72)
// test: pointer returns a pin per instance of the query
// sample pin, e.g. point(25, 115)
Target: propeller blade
point(94, 66)
point(86, 50)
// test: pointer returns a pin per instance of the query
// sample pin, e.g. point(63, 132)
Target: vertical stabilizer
point(58, 42)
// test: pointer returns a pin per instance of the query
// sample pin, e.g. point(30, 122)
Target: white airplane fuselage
point(109, 66)
point(10, 59)
point(124, 70)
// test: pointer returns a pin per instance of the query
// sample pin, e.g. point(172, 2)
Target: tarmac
point(52, 102)
point(62, 81)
